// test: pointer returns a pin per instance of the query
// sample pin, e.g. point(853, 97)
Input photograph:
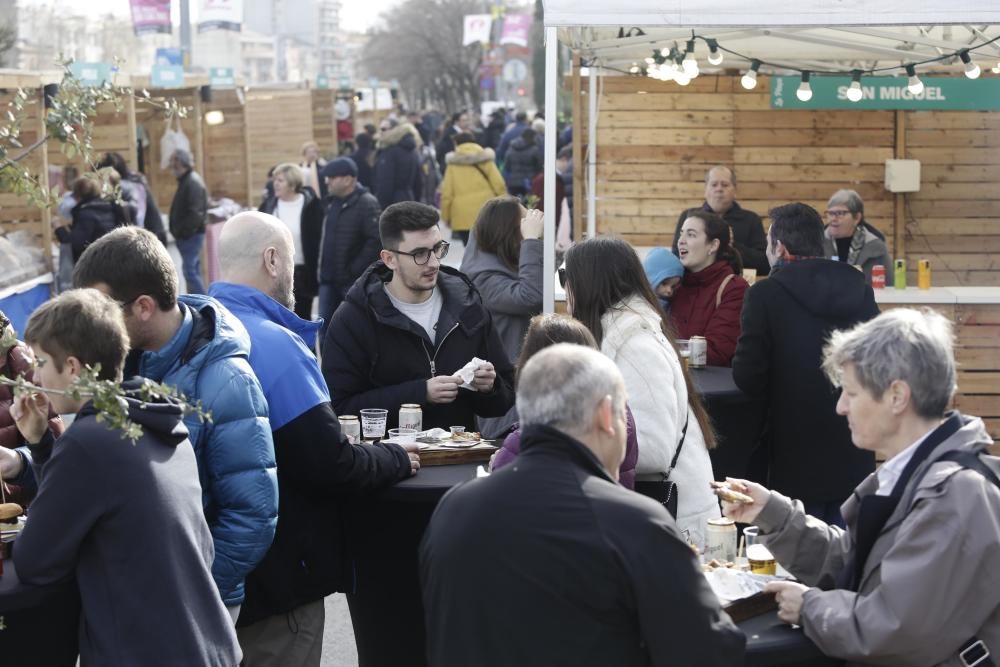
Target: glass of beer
point(373, 423)
point(684, 347)
point(761, 560)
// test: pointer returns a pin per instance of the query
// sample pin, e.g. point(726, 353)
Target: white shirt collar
point(889, 472)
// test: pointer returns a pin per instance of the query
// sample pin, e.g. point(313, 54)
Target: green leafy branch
point(109, 397)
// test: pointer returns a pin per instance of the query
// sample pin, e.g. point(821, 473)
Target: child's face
point(667, 288)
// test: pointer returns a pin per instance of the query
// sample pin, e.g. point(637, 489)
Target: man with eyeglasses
point(408, 325)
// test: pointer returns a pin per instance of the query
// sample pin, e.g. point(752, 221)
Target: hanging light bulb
point(690, 63)
point(714, 55)
point(749, 80)
point(971, 69)
point(915, 85)
point(634, 69)
point(681, 78)
point(996, 70)
point(650, 61)
point(854, 93)
point(805, 91)
point(664, 52)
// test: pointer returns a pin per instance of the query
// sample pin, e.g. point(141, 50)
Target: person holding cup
point(912, 578)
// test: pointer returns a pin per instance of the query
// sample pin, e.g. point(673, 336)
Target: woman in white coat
point(607, 290)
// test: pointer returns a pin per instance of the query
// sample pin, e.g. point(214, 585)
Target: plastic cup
point(403, 436)
point(373, 423)
point(457, 429)
point(760, 559)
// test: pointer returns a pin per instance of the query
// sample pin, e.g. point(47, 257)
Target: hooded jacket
point(522, 162)
point(375, 356)
point(206, 360)
point(311, 229)
point(397, 167)
point(318, 470)
point(471, 180)
point(786, 321)
point(125, 520)
point(92, 219)
point(867, 250)
point(693, 309)
point(550, 562)
point(929, 583)
point(350, 239)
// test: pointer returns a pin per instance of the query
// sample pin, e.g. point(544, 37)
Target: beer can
point(878, 276)
point(411, 416)
point(699, 352)
point(899, 275)
point(924, 274)
point(720, 540)
point(351, 428)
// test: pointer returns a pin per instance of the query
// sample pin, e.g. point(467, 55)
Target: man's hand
point(741, 512)
point(789, 597)
point(11, 464)
point(532, 224)
point(31, 414)
point(484, 378)
point(413, 451)
point(443, 388)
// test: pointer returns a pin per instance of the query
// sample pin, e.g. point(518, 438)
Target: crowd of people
point(235, 526)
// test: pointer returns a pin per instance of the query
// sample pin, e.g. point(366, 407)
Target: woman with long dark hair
point(710, 299)
point(607, 290)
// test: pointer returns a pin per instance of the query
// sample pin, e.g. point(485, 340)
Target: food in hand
point(724, 491)
point(9, 512)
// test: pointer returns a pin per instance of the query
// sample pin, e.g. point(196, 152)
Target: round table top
point(771, 642)
point(715, 382)
point(432, 482)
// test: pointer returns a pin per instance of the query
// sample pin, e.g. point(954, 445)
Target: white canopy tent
point(838, 32)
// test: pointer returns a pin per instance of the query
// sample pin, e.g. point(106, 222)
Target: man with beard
point(406, 328)
point(319, 471)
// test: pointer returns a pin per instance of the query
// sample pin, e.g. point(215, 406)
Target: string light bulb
point(805, 91)
point(690, 63)
point(854, 93)
point(749, 79)
point(915, 85)
point(996, 70)
point(714, 55)
point(971, 69)
point(634, 69)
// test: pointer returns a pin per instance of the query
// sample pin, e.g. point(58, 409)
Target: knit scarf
point(857, 243)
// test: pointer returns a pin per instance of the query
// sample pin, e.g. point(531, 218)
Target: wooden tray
point(755, 605)
point(442, 456)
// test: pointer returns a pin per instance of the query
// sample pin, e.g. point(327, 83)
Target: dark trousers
point(303, 294)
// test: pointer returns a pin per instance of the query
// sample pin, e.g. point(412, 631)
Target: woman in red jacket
point(710, 297)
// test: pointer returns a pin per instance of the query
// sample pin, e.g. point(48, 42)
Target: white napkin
point(468, 373)
point(482, 472)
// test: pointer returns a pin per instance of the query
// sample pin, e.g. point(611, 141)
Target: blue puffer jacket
point(207, 361)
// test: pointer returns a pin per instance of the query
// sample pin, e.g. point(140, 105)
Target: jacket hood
point(823, 287)
point(160, 415)
point(404, 135)
point(470, 153)
point(520, 144)
point(476, 261)
point(241, 298)
point(661, 264)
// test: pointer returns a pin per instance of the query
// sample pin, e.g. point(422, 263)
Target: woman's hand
point(745, 512)
point(532, 224)
point(788, 594)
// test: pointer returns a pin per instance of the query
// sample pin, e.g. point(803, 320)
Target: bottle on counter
point(924, 274)
point(899, 275)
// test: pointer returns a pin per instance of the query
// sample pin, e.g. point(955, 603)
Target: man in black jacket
point(281, 622)
point(747, 229)
point(350, 240)
point(550, 561)
point(188, 216)
point(786, 321)
point(406, 328)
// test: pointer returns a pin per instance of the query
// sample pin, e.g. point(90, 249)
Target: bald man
point(282, 619)
point(748, 230)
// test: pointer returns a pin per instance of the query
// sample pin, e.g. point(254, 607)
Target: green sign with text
point(888, 92)
point(221, 77)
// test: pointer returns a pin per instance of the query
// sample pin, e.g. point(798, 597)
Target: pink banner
point(516, 28)
point(151, 16)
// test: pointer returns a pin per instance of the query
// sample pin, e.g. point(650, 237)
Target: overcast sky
point(354, 15)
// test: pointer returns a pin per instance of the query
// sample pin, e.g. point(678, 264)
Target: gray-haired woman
point(849, 238)
point(914, 578)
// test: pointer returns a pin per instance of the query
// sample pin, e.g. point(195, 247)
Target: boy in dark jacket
point(123, 518)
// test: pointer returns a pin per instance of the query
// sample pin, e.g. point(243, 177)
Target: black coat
point(398, 174)
point(189, 208)
point(153, 221)
point(349, 240)
point(786, 321)
point(311, 228)
point(376, 357)
point(749, 236)
point(550, 562)
point(364, 158)
point(92, 219)
point(523, 161)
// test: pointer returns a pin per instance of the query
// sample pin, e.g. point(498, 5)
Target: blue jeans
point(190, 250)
point(330, 297)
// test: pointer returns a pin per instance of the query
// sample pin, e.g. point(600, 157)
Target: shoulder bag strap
point(487, 179)
point(722, 288)
point(680, 445)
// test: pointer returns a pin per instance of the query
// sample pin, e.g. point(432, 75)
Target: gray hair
point(184, 158)
point(912, 346)
point(849, 199)
point(561, 385)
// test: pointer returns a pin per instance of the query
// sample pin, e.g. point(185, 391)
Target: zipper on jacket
point(431, 360)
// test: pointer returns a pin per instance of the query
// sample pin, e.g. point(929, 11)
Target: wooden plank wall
point(324, 125)
point(657, 139)
point(15, 211)
point(278, 123)
point(225, 151)
point(162, 182)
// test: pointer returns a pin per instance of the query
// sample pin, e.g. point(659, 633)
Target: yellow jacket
point(472, 179)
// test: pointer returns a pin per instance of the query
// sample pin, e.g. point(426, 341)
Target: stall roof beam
point(913, 39)
point(852, 45)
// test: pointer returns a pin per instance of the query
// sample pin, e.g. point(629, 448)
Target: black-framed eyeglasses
point(562, 277)
point(125, 304)
point(423, 255)
point(837, 214)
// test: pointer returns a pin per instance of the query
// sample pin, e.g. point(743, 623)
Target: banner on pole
point(150, 17)
point(516, 28)
point(477, 28)
point(220, 15)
